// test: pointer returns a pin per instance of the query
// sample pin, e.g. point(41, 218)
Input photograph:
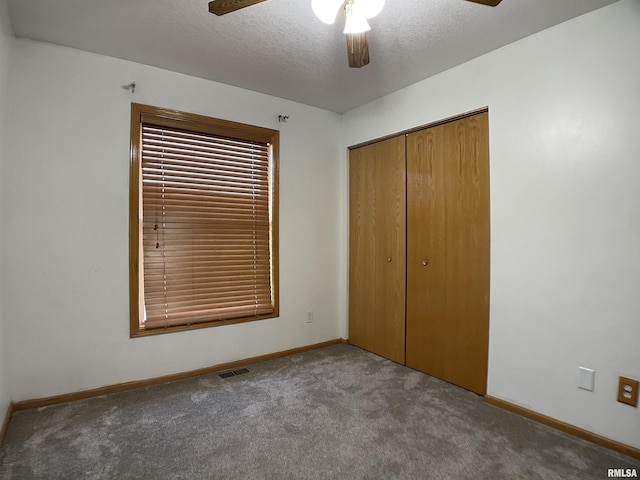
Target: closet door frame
point(470, 113)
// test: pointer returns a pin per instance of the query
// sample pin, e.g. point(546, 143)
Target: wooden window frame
point(150, 115)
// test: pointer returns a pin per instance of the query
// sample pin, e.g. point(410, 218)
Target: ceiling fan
point(356, 14)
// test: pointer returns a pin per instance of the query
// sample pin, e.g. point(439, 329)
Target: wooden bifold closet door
point(419, 250)
point(447, 328)
point(377, 246)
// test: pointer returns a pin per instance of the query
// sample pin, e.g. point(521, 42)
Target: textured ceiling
point(280, 48)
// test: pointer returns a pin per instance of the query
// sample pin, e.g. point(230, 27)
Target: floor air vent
point(233, 373)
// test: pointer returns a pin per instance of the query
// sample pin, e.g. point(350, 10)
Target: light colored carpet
point(333, 413)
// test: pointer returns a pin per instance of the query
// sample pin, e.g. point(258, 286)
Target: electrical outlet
point(628, 391)
point(309, 316)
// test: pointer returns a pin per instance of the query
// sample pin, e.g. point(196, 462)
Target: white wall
point(565, 208)
point(67, 223)
point(6, 39)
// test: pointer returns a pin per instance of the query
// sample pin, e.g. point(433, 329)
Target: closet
point(419, 249)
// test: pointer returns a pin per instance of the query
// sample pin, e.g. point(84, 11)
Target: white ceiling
point(280, 48)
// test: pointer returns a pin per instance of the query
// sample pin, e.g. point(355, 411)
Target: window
point(203, 221)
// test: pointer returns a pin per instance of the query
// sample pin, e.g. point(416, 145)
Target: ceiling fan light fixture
point(326, 10)
point(355, 21)
point(370, 8)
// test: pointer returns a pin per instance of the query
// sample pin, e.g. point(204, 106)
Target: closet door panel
point(378, 248)
point(361, 248)
point(448, 227)
point(426, 243)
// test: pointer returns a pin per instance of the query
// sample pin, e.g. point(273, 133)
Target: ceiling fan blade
point(489, 3)
point(221, 7)
point(357, 49)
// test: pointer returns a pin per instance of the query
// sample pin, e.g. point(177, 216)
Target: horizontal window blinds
point(206, 227)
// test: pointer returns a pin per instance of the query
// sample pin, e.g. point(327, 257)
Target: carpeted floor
point(333, 413)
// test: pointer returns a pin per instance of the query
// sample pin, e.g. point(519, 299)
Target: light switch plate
point(586, 379)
